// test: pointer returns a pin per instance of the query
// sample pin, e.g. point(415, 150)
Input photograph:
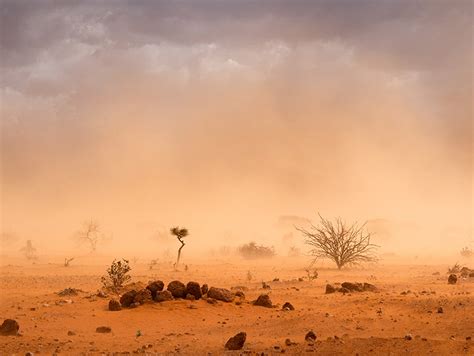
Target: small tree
point(467, 252)
point(180, 234)
point(343, 244)
point(117, 275)
point(91, 234)
point(29, 251)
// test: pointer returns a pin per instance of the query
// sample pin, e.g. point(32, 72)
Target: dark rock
point(353, 287)
point(177, 289)
point(69, 292)
point(194, 289)
point(236, 342)
point(143, 296)
point(103, 329)
point(9, 327)
point(343, 290)
point(204, 289)
point(330, 289)
point(163, 296)
point(190, 297)
point(471, 274)
point(211, 301)
point(221, 294)
point(452, 279)
point(265, 286)
point(288, 306)
point(408, 337)
point(369, 287)
point(263, 300)
point(310, 336)
point(71, 333)
point(155, 286)
point(114, 305)
point(440, 310)
point(126, 300)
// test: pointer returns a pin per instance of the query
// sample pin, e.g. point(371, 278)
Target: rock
point(71, 333)
point(204, 289)
point(155, 286)
point(9, 327)
point(343, 290)
point(471, 274)
point(103, 329)
point(177, 289)
point(194, 289)
point(265, 286)
point(263, 300)
point(211, 301)
point(143, 296)
point(190, 297)
point(288, 306)
point(440, 310)
point(114, 305)
point(163, 296)
point(330, 289)
point(288, 342)
point(236, 342)
point(408, 337)
point(127, 299)
point(369, 287)
point(221, 294)
point(353, 287)
point(240, 294)
point(452, 279)
point(68, 292)
point(310, 336)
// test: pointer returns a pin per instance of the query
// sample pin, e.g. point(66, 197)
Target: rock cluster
point(155, 291)
point(348, 287)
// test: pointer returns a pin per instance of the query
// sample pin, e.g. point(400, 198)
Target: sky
point(224, 116)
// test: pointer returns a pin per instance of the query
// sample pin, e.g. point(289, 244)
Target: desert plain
point(414, 310)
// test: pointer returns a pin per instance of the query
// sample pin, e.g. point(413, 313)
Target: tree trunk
point(179, 253)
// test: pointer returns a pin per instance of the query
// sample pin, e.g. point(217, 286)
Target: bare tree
point(343, 244)
point(67, 261)
point(91, 234)
point(179, 234)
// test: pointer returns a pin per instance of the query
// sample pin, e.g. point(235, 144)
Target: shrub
point(343, 244)
point(252, 251)
point(117, 275)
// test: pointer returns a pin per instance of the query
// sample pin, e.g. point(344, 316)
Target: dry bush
point(91, 234)
point(253, 251)
point(455, 269)
point(117, 275)
point(345, 245)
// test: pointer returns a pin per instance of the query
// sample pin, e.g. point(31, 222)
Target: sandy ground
point(358, 323)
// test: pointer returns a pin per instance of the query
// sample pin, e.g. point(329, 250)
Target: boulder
point(155, 286)
point(221, 294)
point(236, 342)
point(310, 336)
point(177, 289)
point(204, 289)
point(143, 296)
point(194, 289)
point(330, 289)
point(114, 305)
point(9, 327)
point(452, 279)
point(263, 300)
point(353, 287)
point(288, 306)
point(127, 299)
point(163, 296)
point(103, 329)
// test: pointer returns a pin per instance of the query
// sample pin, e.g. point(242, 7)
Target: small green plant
point(117, 275)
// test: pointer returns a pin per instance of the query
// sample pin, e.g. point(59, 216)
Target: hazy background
point(222, 116)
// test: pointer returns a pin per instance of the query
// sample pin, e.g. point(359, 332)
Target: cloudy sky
point(223, 115)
